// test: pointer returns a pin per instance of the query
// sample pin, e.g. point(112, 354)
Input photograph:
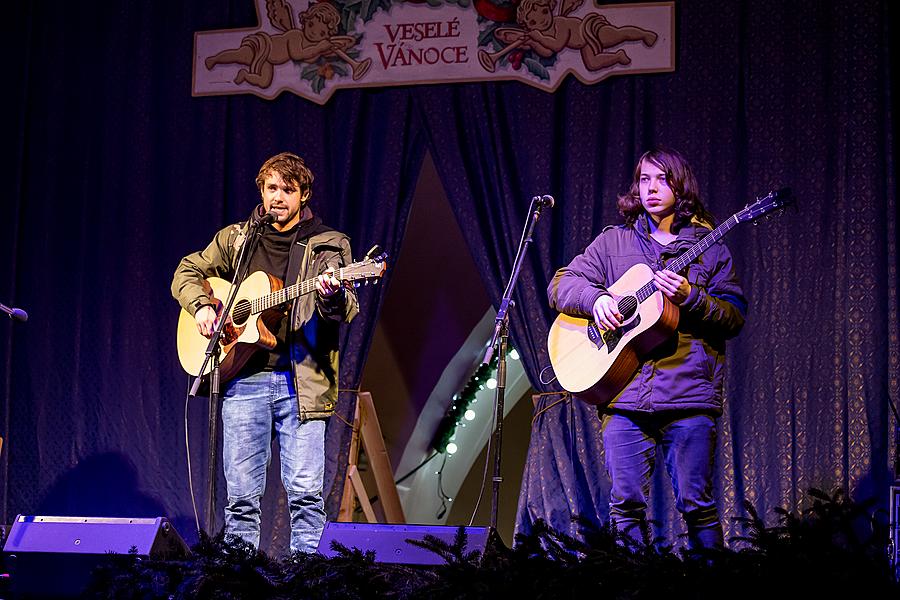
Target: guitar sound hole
point(241, 312)
point(627, 306)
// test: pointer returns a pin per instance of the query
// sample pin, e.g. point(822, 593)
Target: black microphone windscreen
point(260, 217)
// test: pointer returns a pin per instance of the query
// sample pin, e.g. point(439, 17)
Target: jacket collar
point(687, 235)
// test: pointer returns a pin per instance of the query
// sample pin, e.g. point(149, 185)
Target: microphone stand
point(894, 500)
point(500, 341)
point(254, 232)
point(16, 314)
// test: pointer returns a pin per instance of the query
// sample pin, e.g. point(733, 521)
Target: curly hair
point(291, 168)
point(526, 6)
point(325, 11)
point(679, 177)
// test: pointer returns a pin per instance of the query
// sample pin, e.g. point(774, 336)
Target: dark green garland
point(836, 548)
point(460, 404)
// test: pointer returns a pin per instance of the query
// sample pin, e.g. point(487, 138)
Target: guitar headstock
point(368, 269)
point(774, 200)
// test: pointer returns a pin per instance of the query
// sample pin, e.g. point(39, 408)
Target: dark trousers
point(688, 443)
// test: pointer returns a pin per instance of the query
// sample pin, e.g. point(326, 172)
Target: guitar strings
point(627, 304)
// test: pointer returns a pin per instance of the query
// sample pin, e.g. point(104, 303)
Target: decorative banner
point(314, 48)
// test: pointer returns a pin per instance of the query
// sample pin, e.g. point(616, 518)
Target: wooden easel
point(366, 427)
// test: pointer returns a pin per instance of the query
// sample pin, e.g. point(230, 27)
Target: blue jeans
point(254, 410)
point(688, 443)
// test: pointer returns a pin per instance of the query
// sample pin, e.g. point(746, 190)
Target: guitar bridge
point(612, 338)
point(609, 339)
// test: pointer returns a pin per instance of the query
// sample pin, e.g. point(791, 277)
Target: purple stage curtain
point(111, 172)
point(765, 94)
point(115, 173)
point(496, 146)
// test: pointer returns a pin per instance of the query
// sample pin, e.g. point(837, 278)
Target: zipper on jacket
point(307, 254)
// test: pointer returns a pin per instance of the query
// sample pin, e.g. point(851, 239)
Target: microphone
point(545, 201)
point(16, 314)
point(260, 217)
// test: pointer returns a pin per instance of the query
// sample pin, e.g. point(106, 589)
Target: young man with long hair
point(675, 397)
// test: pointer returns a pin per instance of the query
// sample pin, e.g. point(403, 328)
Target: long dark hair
point(679, 177)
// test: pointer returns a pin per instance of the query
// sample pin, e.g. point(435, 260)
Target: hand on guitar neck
point(327, 284)
point(673, 286)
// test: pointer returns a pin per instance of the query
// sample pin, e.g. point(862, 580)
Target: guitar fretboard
point(368, 269)
point(283, 295)
point(688, 257)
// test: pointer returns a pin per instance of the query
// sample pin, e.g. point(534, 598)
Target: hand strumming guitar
point(207, 319)
point(606, 313)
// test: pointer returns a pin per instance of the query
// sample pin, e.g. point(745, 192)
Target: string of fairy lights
point(457, 415)
point(460, 410)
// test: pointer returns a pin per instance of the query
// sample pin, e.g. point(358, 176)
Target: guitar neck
point(691, 255)
point(283, 295)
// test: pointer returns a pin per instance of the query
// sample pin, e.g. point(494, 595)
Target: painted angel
point(316, 37)
point(548, 34)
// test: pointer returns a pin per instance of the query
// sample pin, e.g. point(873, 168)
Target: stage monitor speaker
point(389, 542)
point(52, 557)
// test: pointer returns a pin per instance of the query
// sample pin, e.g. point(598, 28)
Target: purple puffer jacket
point(688, 370)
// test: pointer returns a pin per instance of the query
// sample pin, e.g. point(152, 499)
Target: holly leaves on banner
point(351, 10)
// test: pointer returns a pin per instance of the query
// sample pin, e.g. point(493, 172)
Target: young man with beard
point(290, 391)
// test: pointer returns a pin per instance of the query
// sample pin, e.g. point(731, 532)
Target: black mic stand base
point(212, 462)
point(894, 532)
point(894, 500)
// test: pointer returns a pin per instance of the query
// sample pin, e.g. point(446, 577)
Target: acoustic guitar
point(596, 365)
point(255, 314)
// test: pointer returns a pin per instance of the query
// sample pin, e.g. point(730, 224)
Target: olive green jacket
point(313, 335)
